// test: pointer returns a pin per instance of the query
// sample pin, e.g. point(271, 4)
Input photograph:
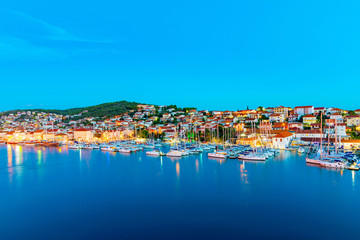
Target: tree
point(144, 133)
point(352, 113)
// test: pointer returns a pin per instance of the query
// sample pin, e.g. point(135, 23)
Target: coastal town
point(282, 126)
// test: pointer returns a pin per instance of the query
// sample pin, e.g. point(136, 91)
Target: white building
point(276, 117)
point(282, 140)
point(340, 130)
point(304, 110)
point(319, 110)
point(338, 117)
point(309, 134)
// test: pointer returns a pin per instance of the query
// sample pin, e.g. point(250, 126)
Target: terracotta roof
point(304, 107)
point(82, 130)
point(351, 141)
point(283, 135)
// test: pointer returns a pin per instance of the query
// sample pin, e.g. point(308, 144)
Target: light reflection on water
point(18, 155)
point(10, 164)
point(178, 169)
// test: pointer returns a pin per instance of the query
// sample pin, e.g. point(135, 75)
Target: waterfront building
point(351, 143)
point(309, 134)
point(83, 134)
point(282, 140)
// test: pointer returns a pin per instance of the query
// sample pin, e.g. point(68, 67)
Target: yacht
point(313, 160)
point(75, 146)
point(253, 157)
point(88, 147)
point(30, 144)
point(333, 164)
point(174, 153)
point(124, 150)
point(154, 153)
point(217, 155)
point(108, 149)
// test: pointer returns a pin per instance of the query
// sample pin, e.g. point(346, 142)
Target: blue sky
point(207, 54)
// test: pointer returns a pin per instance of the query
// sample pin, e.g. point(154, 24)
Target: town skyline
point(240, 106)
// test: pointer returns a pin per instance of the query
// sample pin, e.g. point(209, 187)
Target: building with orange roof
point(351, 143)
point(304, 110)
point(282, 140)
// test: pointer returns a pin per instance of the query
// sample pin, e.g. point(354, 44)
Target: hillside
point(101, 110)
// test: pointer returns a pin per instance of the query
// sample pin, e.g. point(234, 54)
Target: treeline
point(101, 110)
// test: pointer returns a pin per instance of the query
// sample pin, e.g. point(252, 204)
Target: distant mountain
point(101, 110)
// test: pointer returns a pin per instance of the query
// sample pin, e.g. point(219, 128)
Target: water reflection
point(197, 165)
point(243, 173)
point(39, 156)
point(353, 178)
point(161, 164)
point(10, 163)
point(18, 155)
point(178, 169)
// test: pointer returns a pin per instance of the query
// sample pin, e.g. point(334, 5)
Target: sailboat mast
point(321, 136)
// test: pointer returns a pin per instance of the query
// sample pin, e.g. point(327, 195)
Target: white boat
point(29, 144)
point(149, 146)
point(217, 155)
point(301, 150)
point(333, 164)
point(88, 147)
point(153, 153)
point(313, 160)
point(73, 147)
point(253, 157)
point(124, 150)
point(174, 153)
point(108, 149)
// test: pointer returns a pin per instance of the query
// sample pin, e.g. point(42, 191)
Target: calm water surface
point(58, 193)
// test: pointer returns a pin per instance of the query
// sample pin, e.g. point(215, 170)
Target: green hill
point(101, 110)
